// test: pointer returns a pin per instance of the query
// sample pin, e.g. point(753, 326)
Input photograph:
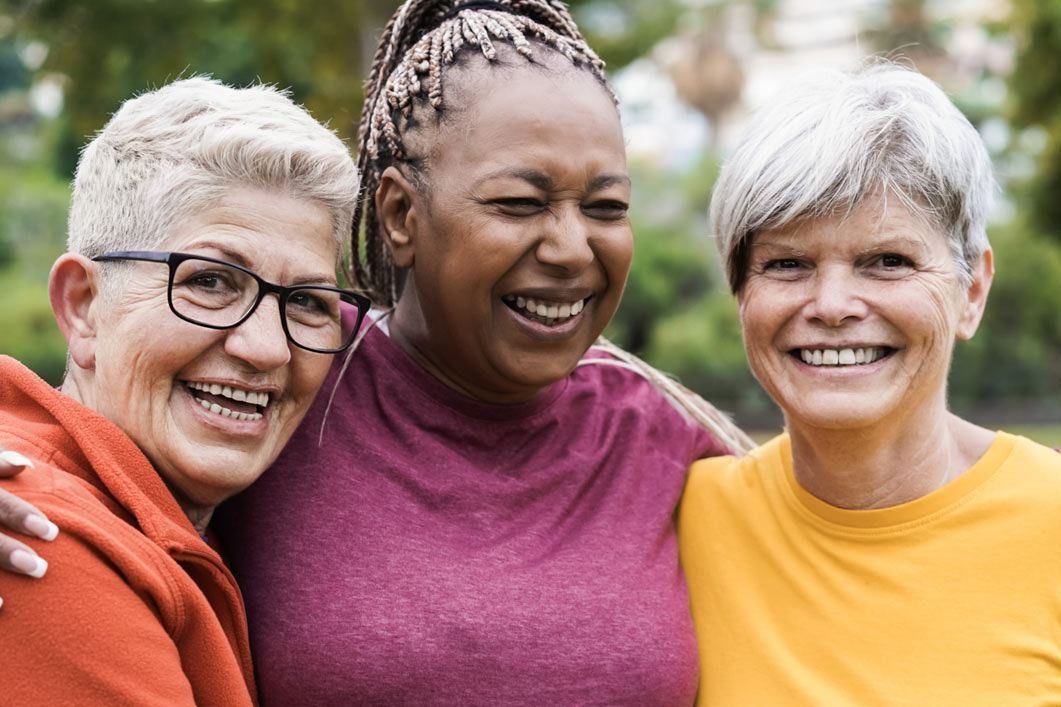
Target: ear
point(976, 296)
point(396, 200)
point(74, 289)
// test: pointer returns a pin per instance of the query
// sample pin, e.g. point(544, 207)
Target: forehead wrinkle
point(539, 179)
point(788, 245)
point(888, 241)
point(545, 182)
point(604, 181)
point(237, 258)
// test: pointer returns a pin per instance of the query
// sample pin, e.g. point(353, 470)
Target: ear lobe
point(396, 210)
point(976, 297)
point(74, 290)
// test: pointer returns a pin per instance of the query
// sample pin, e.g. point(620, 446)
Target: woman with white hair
point(882, 550)
point(199, 303)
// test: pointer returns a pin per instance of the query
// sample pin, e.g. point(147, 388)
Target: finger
point(11, 462)
point(23, 517)
point(20, 558)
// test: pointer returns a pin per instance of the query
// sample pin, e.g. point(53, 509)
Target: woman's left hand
point(22, 517)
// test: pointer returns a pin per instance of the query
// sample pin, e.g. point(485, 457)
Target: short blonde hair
point(171, 152)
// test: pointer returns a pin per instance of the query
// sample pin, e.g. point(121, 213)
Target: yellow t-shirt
point(951, 599)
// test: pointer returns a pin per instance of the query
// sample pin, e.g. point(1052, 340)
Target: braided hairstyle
point(418, 43)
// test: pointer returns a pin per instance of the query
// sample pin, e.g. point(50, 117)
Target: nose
point(566, 241)
point(260, 341)
point(835, 298)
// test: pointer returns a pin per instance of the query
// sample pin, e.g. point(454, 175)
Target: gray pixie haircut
point(171, 152)
point(834, 138)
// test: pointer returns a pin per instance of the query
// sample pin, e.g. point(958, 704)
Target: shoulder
point(84, 628)
point(716, 478)
point(603, 385)
point(1028, 461)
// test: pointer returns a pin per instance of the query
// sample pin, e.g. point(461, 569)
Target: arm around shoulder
point(82, 633)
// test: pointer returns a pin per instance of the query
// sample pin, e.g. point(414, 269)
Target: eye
point(519, 205)
point(309, 302)
point(783, 264)
point(894, 260)
point(891, 265)
point(785, 268)
point(210, 281)
point(607, 209)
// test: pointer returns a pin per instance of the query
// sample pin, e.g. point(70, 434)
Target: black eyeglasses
point(220, 295)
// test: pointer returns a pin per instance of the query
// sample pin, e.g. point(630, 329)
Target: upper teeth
point(547, 310)
point(841, 357)
point(247, 396)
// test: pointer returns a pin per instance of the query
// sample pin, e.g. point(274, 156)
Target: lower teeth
point(242, 416)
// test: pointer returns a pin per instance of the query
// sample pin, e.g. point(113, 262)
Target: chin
point(833, 414)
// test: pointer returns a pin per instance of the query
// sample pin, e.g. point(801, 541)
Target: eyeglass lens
point(218, 295)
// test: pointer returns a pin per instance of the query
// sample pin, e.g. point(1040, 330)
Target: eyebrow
point(545, 182)
point(238, 259)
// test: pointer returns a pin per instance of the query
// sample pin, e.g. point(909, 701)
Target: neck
point(408, 330)
point(199, 516)
point(886, 465)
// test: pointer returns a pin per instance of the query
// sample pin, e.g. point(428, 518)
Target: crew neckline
point(434, 390)
point(916, 512)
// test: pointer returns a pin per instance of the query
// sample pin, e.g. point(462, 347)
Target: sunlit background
point(688, 72)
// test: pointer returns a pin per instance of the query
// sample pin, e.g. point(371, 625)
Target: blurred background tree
point(688, 71)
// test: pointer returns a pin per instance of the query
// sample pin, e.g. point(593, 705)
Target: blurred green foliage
point(1035, 87)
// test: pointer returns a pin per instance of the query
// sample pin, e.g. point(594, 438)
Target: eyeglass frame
point(173, 259)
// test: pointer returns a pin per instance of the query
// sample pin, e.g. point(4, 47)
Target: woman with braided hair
point(470, 515)
point(480, 511)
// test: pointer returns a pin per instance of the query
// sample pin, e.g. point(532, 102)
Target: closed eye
point(607, 209)
point(519, 205)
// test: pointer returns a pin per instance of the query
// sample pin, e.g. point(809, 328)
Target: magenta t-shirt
point(436, 550)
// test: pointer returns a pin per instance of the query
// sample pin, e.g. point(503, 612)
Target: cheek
point(758, 309)
point(310, 374)
point(617, 254)
point(939, 319)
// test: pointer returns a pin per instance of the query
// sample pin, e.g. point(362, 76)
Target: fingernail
point(32, 565)
point(15, 459)
point(42, 528)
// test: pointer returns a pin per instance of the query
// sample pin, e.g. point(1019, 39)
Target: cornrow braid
point(418, 43)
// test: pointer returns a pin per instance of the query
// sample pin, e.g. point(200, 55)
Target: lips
point(549, 313)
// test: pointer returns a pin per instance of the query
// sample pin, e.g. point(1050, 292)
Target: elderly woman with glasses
point(882, 551)
point(199, 303)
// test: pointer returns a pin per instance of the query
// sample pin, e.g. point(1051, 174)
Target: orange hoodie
point(135, 608)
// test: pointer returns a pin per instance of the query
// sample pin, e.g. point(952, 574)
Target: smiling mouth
point(842, 357)
point(543, 312)
point(224, 400)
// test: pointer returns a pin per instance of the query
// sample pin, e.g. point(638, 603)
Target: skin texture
point(132, 356)
point(527, 195)
point(877, 277)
